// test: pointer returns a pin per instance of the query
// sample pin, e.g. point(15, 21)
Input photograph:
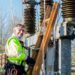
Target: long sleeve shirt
point(14, 50)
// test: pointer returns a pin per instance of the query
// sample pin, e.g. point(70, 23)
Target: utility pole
point(66, 35)
point(65, 56)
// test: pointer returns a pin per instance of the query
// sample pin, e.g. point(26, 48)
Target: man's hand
point(30, 60)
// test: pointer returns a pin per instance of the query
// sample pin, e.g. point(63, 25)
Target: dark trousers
point(19, 68)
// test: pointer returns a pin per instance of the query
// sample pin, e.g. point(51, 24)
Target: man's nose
point(21, 31)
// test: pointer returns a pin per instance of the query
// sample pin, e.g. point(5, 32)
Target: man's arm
point(21, 53)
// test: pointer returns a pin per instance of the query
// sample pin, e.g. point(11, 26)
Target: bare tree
point(11, 24)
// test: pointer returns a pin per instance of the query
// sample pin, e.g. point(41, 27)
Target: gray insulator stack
point(30, 19)
point(48, 2)
point(68, 8)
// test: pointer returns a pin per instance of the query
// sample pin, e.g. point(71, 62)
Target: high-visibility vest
point(14, 50)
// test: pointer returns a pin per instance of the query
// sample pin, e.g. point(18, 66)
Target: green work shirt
point(14, 50)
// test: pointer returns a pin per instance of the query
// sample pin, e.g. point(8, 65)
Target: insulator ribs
point(48, 2)
point(30, 19)
point(68, 8)
point(29, 15)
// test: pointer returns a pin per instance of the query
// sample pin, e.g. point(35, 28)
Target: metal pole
point(65, 56)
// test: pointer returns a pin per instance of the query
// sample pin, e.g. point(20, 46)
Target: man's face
point(19, 31)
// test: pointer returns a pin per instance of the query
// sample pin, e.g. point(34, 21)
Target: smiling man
point(15, 51)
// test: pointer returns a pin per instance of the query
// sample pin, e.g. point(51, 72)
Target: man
point(15, 50)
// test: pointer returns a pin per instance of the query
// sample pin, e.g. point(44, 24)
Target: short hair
point(20, 25)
